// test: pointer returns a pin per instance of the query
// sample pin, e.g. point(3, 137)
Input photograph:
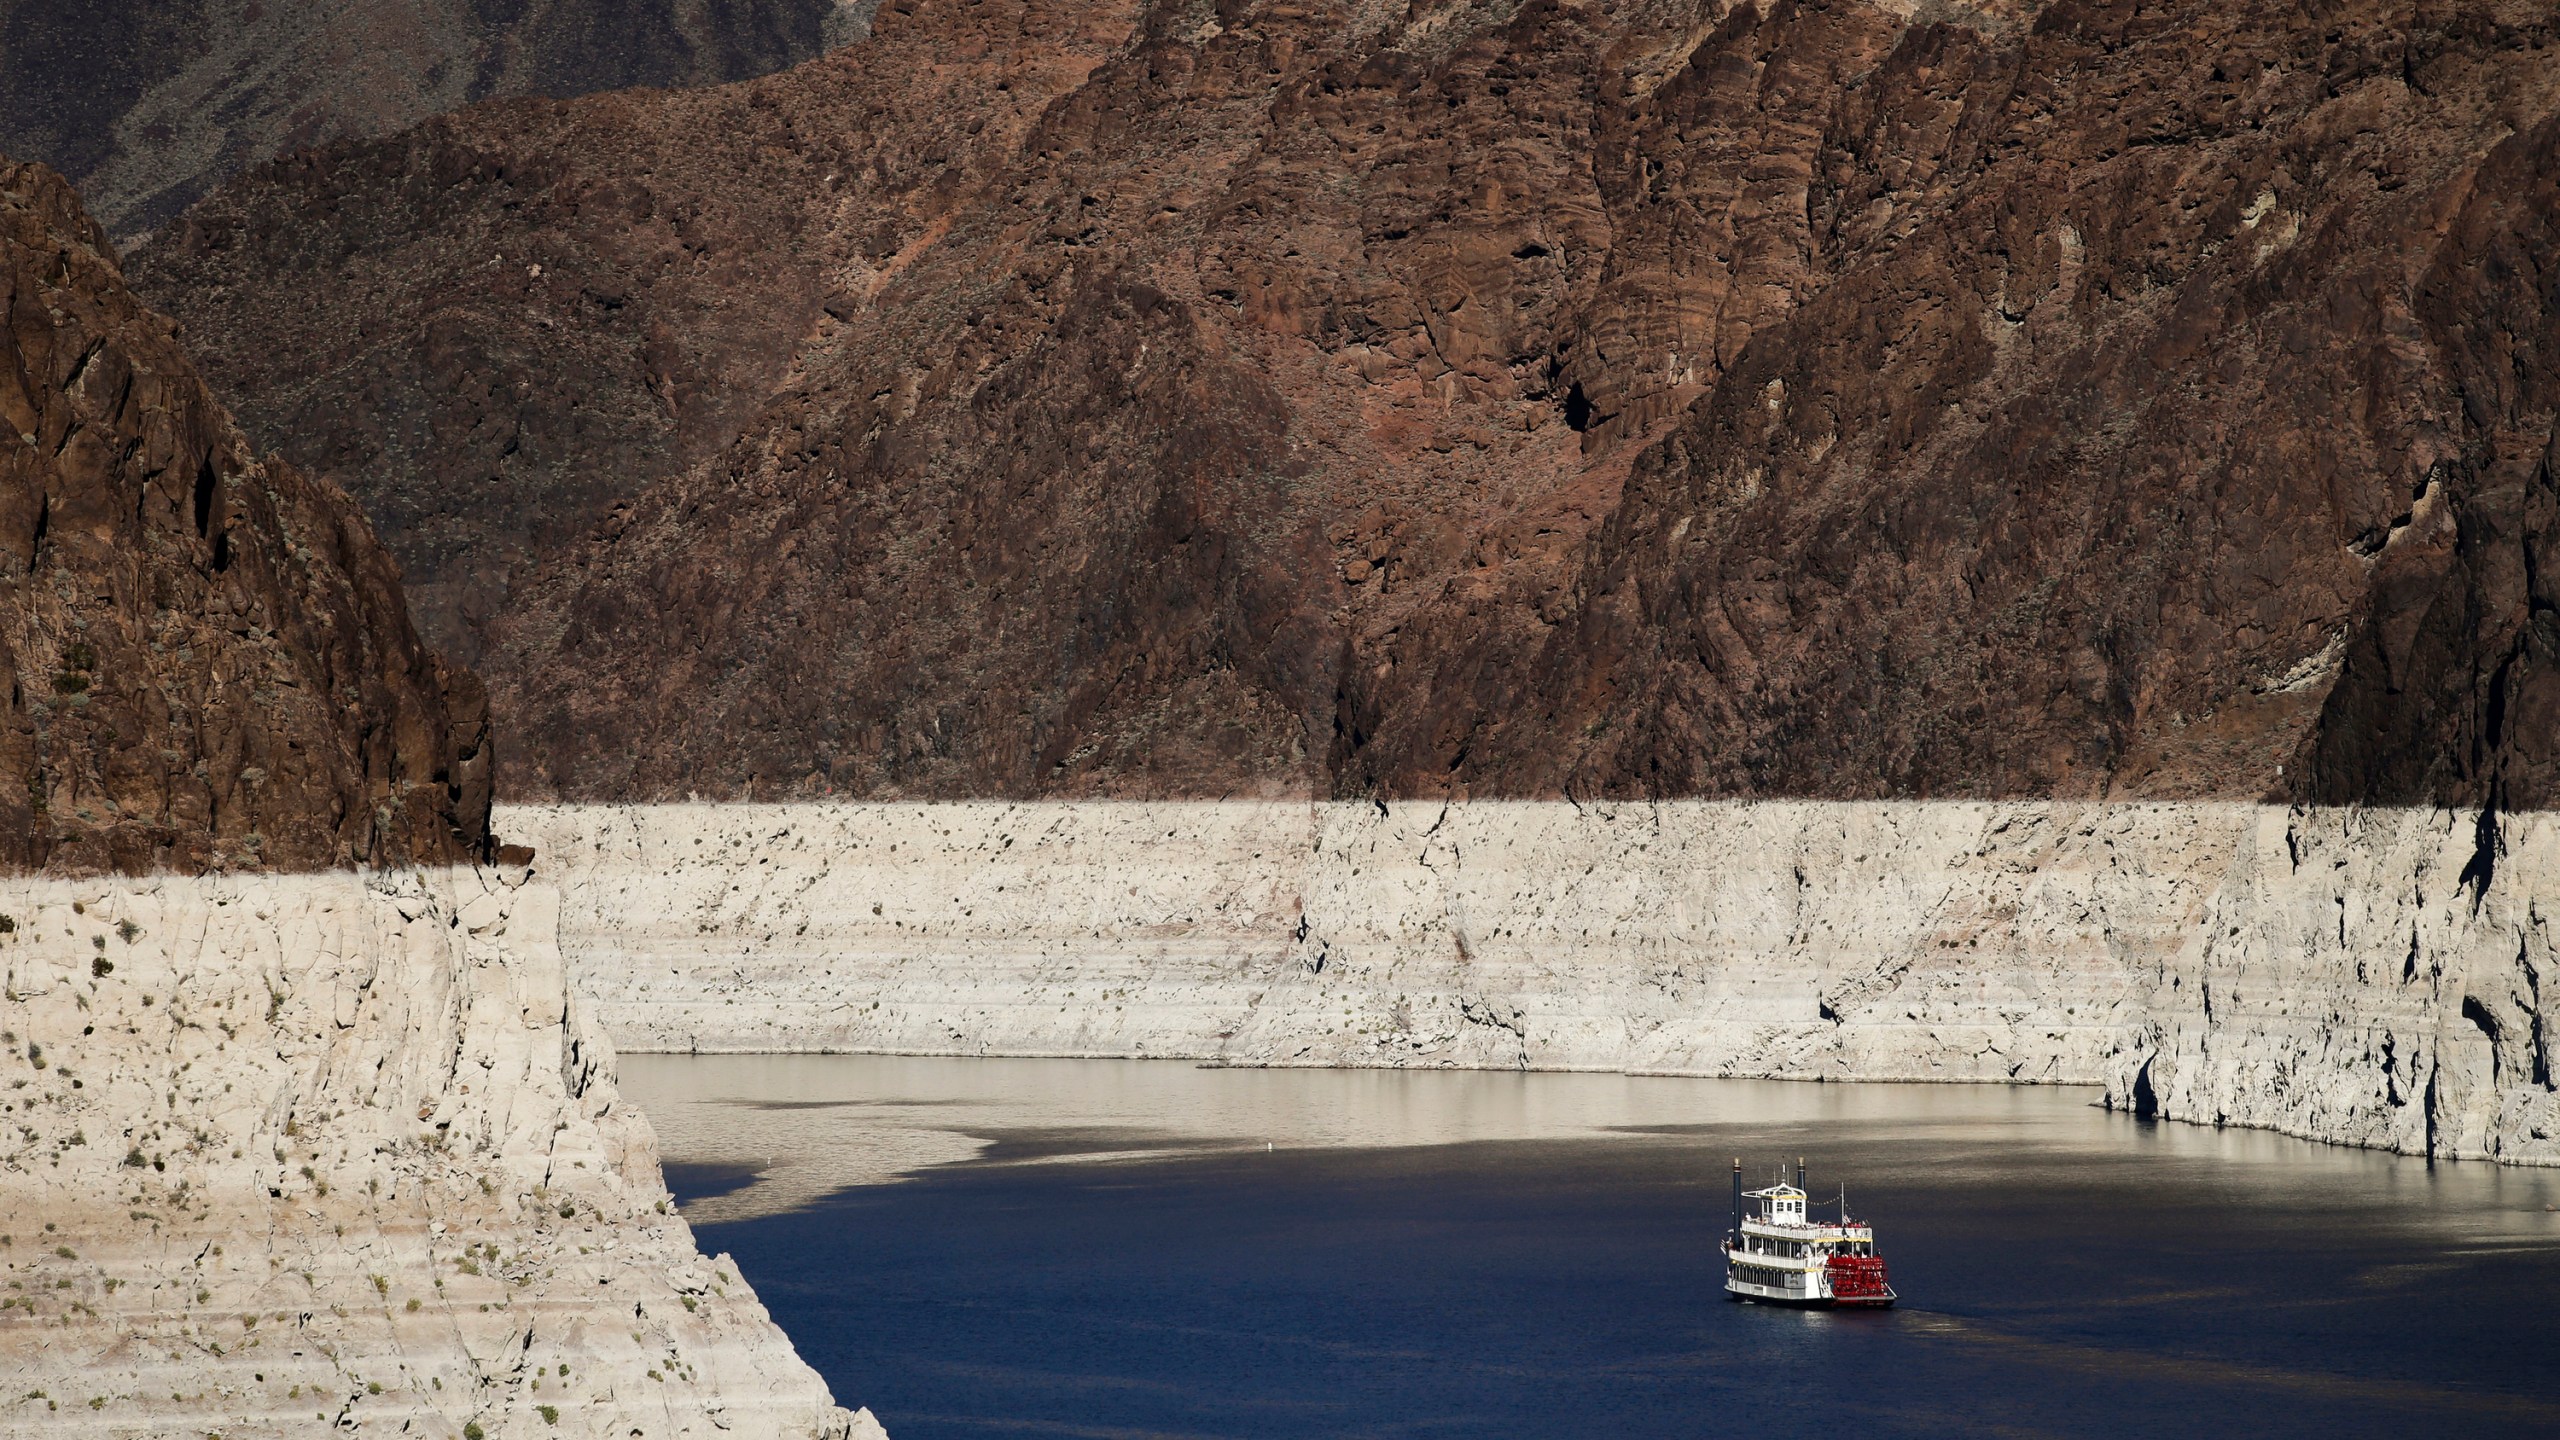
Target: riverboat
point(1777, 1254)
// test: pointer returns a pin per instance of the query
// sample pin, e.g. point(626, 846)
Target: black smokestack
point(1734, 1229)
point(1799, 1172)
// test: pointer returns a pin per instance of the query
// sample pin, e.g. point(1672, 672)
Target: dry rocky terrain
point(209, 662)
point(282, 1154)
point(2351, 975)
point(299, 1126)
point(1805, 398)
point(2040, 403)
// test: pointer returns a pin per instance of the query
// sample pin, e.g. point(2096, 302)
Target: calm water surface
point(1098, 1248)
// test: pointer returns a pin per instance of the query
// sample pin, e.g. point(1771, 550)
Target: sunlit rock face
point(2379, 977)
point(286, 1152)
point(2364, 976)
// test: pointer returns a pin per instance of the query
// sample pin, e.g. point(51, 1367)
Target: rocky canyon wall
point(1808, 398)
point(208, 661)
point(299, 1127)
point(2379, 977)
point(290, 1153)
point(2364, 976)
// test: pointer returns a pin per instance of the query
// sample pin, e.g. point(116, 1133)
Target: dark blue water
point(2078, 1275)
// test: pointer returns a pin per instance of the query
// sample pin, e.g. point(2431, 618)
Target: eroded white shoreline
point(304, 1152)
point(2340, 974)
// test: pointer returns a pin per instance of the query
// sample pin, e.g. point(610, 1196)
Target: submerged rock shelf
point(2363, 976)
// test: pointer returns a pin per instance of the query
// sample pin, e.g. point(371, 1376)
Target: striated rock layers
point(2367, 976)
point(2373, 977)
point(148, 103)
point(1808, 398)
point(280, 1151)
point(208, 661)
point(292, 1153)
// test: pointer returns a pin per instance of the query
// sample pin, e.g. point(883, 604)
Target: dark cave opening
point(205, 483)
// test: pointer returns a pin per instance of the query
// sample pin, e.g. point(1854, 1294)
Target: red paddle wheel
point(1859, 1280)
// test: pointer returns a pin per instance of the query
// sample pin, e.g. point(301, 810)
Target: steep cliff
point(288, 1153)
point(2369, 976)
point(2349, 975)
point(1810, 398)
point(564, 303)
point(2174, 419)
point(208, 660)
point(329, 1144)
point(146, 104)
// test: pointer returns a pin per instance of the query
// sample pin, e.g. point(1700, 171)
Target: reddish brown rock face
point(208, 661)
point(2075, 398)
point(2140, 439)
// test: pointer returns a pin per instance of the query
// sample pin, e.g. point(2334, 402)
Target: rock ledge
point(286, 1152)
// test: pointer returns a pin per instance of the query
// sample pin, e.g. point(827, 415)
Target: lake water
point(1101, 1248)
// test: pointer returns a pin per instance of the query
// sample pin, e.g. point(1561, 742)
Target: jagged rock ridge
point(209, 663)
point(1806, 398)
